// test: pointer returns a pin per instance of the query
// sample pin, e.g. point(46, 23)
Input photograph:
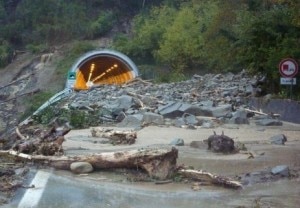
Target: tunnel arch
point(101, 67)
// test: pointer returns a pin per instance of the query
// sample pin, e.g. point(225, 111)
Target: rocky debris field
point(202, 102)
point(223, 97)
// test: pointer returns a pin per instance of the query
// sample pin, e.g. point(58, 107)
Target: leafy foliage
point(4, 53)
point(189, 35)
point(78, 48)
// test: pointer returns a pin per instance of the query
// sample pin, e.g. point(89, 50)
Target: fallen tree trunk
point(158, 163)
point(115, 136)
point(262, 113)
point(210, 178)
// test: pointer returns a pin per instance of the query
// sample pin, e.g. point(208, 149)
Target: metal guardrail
point(58, 96)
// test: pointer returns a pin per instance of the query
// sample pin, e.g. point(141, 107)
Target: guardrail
point(58, 96)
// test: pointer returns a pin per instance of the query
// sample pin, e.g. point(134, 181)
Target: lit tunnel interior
point(101, 67)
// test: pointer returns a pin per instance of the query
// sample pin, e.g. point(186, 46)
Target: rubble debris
point(39, 141)
point(268, 175)
point(115, 136)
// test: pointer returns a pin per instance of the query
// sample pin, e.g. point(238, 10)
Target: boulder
point(134, 121)
point(81, 167)
point(282, 170)
point(279, 139)
point(220, 143)
point(239, 117)
point(152, 118)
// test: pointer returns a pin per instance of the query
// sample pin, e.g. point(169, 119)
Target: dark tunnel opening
point(101, 67)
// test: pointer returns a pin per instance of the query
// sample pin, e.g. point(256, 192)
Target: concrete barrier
point(289, 110)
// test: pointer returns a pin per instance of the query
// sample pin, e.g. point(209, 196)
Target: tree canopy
point(183, 35)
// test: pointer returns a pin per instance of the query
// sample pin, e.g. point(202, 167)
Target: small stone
point(177, 142)
point(279, 139)
point(283, 170)
point(81, 167)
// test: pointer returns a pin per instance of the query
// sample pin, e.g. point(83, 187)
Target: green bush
point(36, 48)
point(5, 53)
point(78, 119)
point(33, 102)
point(78, 48)
point(103, 24)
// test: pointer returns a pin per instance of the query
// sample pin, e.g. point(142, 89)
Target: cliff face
point(25, 76)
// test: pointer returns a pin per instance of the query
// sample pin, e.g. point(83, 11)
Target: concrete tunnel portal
point(101, 67)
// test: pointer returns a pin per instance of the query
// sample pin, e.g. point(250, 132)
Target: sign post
point(288, 68)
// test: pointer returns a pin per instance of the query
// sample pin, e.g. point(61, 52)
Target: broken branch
point(211, 178)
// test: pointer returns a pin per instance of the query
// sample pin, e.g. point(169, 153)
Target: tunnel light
point(91, 71)
point(98, 77)
point(115, 66)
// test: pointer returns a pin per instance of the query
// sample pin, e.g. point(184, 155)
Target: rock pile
point(183, 104)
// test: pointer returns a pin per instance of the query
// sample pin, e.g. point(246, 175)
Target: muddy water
point(105, 189)
point(108, 190)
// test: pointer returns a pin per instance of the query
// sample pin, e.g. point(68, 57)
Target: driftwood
point(115, 136)
point(210, 178)
point(262, 113)
point(158, 163)
point(44, 142)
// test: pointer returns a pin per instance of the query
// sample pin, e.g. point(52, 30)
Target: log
point(276, 115)
point(211, 178)
point(116, 136)
point(158, 163)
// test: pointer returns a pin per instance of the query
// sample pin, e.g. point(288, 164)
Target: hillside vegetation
point(181, 37)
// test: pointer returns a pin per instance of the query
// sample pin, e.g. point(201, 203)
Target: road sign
point(71, 80)
point(288, 68)
point(287, 81)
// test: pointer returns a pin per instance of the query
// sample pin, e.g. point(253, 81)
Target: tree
point(265, 37)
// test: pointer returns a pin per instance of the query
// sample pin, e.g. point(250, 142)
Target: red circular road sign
point(288, 68)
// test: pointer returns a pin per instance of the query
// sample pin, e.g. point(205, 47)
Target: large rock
point(239, 117)
point(124, 102)
point(134, 121)
point(282, 170)
point(219, 111)
point(172, 110)
point(279, 139)
point(152, 118)
point(81, 167)
point(220, 143)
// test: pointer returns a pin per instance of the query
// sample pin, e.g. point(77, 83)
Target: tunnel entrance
point(101, 67)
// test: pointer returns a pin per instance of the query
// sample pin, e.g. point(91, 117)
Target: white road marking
point(32, 196)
